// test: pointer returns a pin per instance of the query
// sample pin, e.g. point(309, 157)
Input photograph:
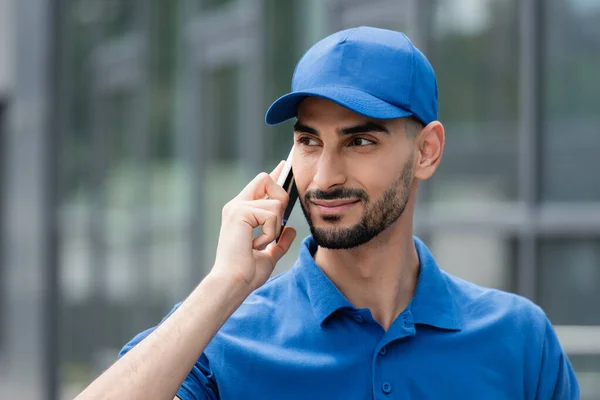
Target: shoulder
point(519, 336)
point(276, 290)
point(510, 328)
point(481, 306)
point(268, 306)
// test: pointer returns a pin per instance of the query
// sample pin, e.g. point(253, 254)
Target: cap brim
point(286, 106)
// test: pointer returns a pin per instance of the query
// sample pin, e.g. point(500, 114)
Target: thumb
point(276, 251)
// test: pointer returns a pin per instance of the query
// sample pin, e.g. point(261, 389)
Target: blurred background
point(125, 125)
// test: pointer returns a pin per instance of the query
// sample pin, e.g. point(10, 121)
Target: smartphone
point(286, 180)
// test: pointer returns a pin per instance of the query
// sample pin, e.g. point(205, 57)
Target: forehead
point(322, 112)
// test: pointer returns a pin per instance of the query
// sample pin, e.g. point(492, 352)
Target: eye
point(360, 142)
point(307, 141)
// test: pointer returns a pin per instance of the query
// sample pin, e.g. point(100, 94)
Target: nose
point(330, 171)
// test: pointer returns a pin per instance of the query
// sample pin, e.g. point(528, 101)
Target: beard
point(378, 214)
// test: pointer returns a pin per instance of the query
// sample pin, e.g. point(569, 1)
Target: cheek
point(375, 188)
point(367, 173)
point(379, 179)
point(303, 174)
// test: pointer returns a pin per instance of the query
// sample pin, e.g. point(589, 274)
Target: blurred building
point(125, 125)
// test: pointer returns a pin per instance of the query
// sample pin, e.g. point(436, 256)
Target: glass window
point(121, 185)
point(587, 369)
point(223, 175)
point(76, 206)
point(97, 265)
point(170, 215)
point(2, 168)
point(571, 100)
point(119, 16)
point(206, 5)
point(281, 55)
point(475, 56)
point(485, 259)
point(385, 14)
point(569, 278)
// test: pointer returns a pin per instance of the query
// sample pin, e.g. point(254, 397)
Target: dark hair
point(413, 126)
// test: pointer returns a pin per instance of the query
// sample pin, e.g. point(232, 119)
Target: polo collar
point(325, 298)
point(432, 303)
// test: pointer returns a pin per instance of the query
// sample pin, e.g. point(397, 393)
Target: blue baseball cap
point(374, 72)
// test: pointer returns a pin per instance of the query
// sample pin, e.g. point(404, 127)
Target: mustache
point(336, 194)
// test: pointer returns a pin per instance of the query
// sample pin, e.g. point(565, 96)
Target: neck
point(380, 275)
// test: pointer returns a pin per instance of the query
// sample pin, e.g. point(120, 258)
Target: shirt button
point(383, 350)
point(386, 387)
point(358, 318)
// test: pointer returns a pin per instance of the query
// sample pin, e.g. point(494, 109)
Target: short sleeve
point(200, 384)
point(557, 379)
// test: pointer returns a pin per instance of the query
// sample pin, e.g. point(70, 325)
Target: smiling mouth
point(333, 206)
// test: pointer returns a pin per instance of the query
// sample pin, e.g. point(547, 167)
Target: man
point(365, 313)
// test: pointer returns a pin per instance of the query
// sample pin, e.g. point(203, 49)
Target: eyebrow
point(299, 127)
point(368, 127)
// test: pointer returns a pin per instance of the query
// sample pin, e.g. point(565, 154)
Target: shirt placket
point(386, 384)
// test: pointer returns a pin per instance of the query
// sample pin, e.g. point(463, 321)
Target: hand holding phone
point(240, 255)
point(287, 182)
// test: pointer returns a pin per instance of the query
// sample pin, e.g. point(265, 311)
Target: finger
point(273, 205)
point(262, 186)
point(267, 220)
point(277, 171)
point(261, 177)
point(277, 250)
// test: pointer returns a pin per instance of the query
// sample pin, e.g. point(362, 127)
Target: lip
point(333, 206)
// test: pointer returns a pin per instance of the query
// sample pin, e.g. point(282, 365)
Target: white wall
point(7, 18)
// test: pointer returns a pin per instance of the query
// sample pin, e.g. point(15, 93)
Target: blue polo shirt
point(298, 337)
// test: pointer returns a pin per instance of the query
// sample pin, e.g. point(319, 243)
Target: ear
point(430, 146)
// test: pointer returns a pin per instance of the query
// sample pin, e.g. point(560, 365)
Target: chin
point(337, 220)
point(340, 238)
point(330, 220)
